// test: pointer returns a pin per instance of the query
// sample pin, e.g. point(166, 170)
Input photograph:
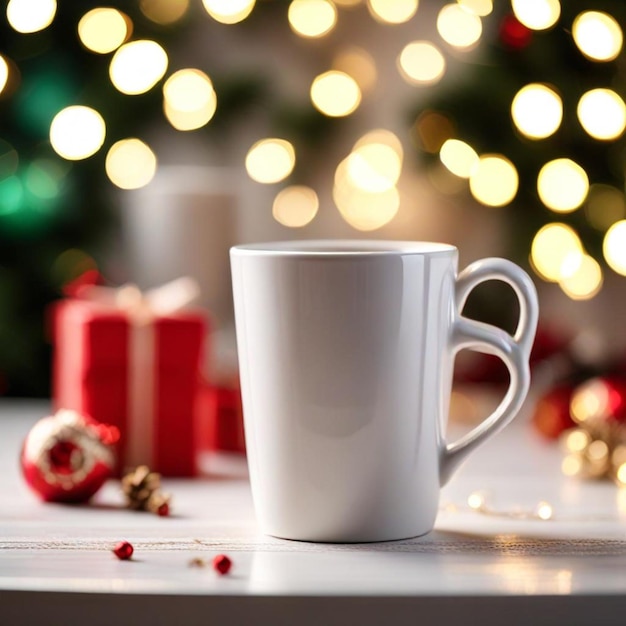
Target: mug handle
point(513, 350)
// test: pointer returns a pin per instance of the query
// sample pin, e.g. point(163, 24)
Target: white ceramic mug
point(346, 353)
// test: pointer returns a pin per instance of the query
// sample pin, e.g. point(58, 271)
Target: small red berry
point(163, 510)
point(222, 564)
point(123, 550)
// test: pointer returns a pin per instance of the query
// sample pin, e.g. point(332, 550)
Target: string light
point(130, 164)
point(537, 111)
point(335, 94)
point(421, 62)
point(555, 250)
point(137, 66)
point(392, 11)
point(562, 185)
point(477, 501)
point(77, 132)
point(103, 30)
point(614, 247)
point(481, 8)
point(458, 27)
point(270, 160)
point(459, 157)
point(31, 16)
point(585, 282)
point(602, 113)
point(537, 14)
point(598, 35)
point(4, 73)
point(359, 64)
point(189, 100)
point(164, 11)
point(295, 206)
point(312, 18)
point(589, 401)
point(229, 11)
point(494, 180)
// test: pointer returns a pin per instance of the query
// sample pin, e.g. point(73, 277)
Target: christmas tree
point(536, 126)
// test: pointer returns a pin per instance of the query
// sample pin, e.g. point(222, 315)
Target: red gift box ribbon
point(142, 308)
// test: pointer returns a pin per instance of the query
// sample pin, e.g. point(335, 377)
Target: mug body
point(346, 370)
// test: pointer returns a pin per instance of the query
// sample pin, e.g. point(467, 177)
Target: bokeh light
point(614, 247)
point(605, 205)
point(381, 136)
point(421, 62)
point(432, 129)
point(43, 178)
point(347, 3)
point(494, 180)
point(477, 7)
point(374, 167)
point(77, 132)
point(9, 159)
point(164, 11)
point(229, 11)
point(270, 160)
point(537, 14)
point(562, 185)
point(11, 195)
point(103, 30)
point(598, 35)
point(189, 100)
point(312, 18)
point(359, 64)
point(363, 210)
point(130, 164)
point(295, 206)
point(335, 94)
point(458, 27)
point(4, 73)
point(392, 11)
point(537, 111)
point(31, 16)
point(555, 250)
point(459, 157)
point(585, 282)
point(602, 113)
point(137, 66)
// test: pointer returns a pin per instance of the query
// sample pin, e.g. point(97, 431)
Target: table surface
point(56, 560)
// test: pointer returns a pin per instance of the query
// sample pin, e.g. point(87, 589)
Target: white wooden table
point(56, 566)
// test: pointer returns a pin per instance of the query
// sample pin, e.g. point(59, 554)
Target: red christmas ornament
point(600, 400)
point(514, 34)
point(222, 564)
point(552, 412)
point(123, 550)
point(67, 457)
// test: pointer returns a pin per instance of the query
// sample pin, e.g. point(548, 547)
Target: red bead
point(123, 550)
point(222, 564)
point(163, 510)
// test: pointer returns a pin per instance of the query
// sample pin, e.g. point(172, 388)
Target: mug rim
point(343, 248)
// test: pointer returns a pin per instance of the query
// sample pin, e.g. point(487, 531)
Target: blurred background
point(141, 139)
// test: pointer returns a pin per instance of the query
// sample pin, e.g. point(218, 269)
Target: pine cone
point(140, 486)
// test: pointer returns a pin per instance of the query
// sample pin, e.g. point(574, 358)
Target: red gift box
point(135, 367)
point(221, 425)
